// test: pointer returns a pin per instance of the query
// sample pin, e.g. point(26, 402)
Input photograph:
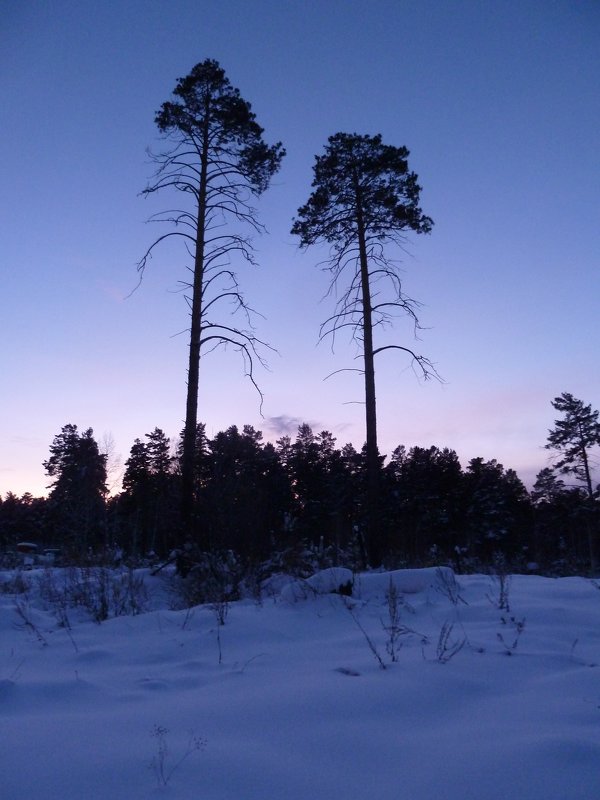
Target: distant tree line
point(260, 500)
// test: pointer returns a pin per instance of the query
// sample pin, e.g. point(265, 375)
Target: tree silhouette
point(497, 513)
point(136, 499)
point(218, 161)
point(574, 437)
point(78, 491)
point(21, 518)
point(248, 494)
point(559, 524)
point(364, 199)
point(425, 488)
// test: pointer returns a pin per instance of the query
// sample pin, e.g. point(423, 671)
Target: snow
point(291, 701)
point(334, 579)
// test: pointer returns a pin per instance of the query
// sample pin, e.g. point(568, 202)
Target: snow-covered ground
point(289, 700)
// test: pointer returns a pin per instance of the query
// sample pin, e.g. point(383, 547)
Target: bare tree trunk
point(591, 518)
point(188, 460)
point(373, 493)
point(586, 468)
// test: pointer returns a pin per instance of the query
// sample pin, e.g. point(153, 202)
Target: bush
point(102, 592)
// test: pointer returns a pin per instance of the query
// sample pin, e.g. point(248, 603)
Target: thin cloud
point(286, 425)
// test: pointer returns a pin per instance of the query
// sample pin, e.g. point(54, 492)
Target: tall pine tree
point(364, 200)
point(218, 161)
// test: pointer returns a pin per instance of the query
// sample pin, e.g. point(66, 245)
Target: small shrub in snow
point(102, 592)
point(516, 627)
point(218, 635)
point(27, 623)
point(161, 763)
point(446, 648)
point(214, 578)
point(500, 595)
point(220, 609)
point(393, 626)
point(447, 585)
point(369, 641)
point(58, 601)
point(129, 595)
point(501, 579)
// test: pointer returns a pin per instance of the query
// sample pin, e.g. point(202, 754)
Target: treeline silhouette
point(300, 500)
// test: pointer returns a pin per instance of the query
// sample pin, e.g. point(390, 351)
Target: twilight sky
point(497, 102)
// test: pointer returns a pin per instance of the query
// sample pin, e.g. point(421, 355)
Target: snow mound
point(373, 585)
point(334, 580)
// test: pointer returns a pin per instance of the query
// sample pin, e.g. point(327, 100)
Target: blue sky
point(498, 104)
